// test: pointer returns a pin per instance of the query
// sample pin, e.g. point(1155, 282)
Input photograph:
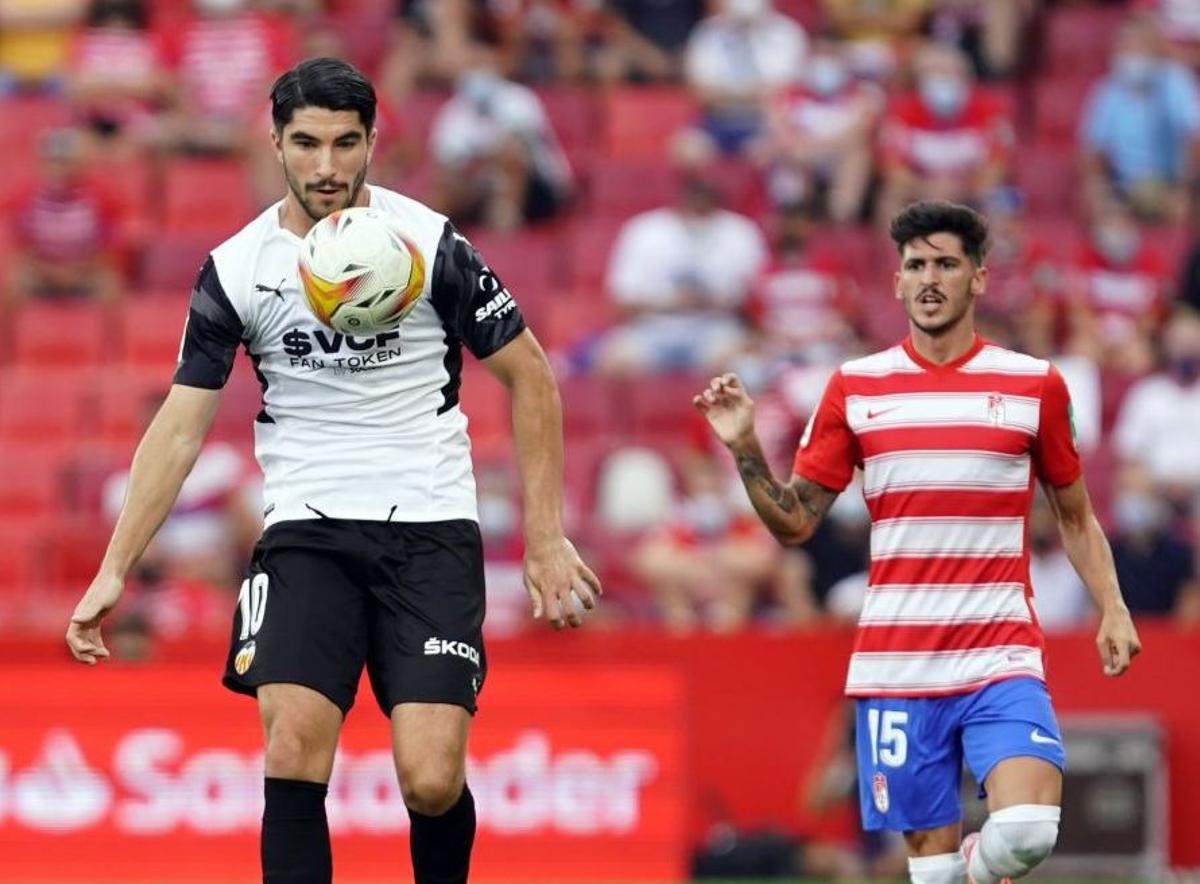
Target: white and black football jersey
point(352, 427)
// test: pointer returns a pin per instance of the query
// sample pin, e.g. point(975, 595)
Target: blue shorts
point(911, 749)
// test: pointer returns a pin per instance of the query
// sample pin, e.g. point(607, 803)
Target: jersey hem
point(865, 693)
point(399, 516)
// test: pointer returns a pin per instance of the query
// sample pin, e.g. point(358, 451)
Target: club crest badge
point(245, 657)
point(995, 409)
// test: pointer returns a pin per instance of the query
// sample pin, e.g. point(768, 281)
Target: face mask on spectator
point(1136, 513)
point(1134, 68)
point(825, 75)
point(746, 9)
point(1117, 243)
point(943, 95)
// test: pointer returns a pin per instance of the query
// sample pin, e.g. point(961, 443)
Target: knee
point(297, 753)
point(431, 789)
point(1022, 837)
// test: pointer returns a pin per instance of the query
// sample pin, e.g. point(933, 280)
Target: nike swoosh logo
point(871, 415)
point(1038, 737)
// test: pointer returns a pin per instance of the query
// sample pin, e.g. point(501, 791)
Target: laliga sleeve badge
point(245, 657)
point(879, 789)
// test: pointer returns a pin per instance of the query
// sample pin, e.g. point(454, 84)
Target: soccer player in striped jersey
point(951, 432)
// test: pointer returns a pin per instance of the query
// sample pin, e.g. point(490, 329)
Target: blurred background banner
point(595, 757)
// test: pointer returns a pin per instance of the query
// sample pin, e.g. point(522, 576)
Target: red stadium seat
point(123, 397)
point(1079, 37)
point(1058, 106)
point(522, 259)
point(1048, 173)
point(209, 195)
point(590, 244)
point(660, 408)
point(623, 187)
point(27, 118)
point(172, 261)
point(30, 484)
point(72, 334)
point(574, 317)
point(73, 549)
point(151, 329)
point(18, 565)
point(486, 404)
point(41, 408)
point(575, 116)
point(640, 121)
point(593, 407)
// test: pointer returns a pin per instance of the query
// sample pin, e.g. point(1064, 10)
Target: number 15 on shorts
point(889, 742)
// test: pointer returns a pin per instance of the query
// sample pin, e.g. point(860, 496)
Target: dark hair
point(100, 12)
point(328, 83)
point(923, 219)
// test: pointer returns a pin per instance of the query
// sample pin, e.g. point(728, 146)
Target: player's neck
point(945, 348)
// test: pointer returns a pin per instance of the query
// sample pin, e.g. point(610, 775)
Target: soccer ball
point(360, 274)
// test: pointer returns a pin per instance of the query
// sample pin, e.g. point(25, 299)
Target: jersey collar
point(953, 365)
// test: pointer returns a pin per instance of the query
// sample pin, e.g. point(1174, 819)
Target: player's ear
point(277, 143)
point(372, 136)
point(979, 281)
point(899, 294)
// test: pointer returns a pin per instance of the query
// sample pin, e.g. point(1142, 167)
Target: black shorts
point(324, 597)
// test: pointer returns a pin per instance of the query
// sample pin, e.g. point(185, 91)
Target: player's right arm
point(161, 463)
point(790, 511)
point(165, 455)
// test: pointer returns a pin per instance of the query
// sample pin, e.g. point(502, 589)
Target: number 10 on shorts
point(252, 602)
point(889, 742)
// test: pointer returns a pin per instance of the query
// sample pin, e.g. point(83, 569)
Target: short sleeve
point(828, 448)
point(471, 299)
point(1055, 455)
point(211, 336)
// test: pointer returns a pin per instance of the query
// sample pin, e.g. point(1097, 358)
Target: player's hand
point(83, 633)
point(558, 582)
point(728, 408)
point(1117, 640)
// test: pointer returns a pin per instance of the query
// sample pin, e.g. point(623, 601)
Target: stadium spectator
point(820, 135)
point(804, 308)
point(35, 38)
point(680, 275)
point(1180, 23)
point(66, 228)
point(1188, 291)
point(948, 139)
point(223, 59)
point(989, 31)
point(1159, 421)
point(877, 35)
point(1157, 571)
point(644, 42)
point(1116, 292)
point(1140, 130)
point(498, 158)
point(1060, 599)
point(545, 40)
point(118, 77)
point(735, 60)
point(709, 563)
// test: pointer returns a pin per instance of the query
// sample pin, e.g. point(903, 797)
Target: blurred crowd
point(670, 188)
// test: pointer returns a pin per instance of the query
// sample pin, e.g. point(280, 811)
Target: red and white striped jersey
point(949, 455)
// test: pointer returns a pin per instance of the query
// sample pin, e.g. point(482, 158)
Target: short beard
point(941, 328)
point(297, 190)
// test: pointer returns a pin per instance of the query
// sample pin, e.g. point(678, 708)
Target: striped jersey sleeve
point(828, 449)
point(1055, 454)
point(471, 299)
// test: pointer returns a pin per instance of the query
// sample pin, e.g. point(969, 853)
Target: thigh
point(426, 608)
point(909, 763)
point(301, 615)
point(1013, 721)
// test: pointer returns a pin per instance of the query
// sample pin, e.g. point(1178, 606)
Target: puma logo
point(277, 289)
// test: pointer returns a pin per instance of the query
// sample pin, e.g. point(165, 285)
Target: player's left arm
point(1090, 555)
point(553, 569)
point(1058, 465)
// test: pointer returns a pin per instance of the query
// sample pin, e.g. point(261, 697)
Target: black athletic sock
point(441, 845)
point(295, 833)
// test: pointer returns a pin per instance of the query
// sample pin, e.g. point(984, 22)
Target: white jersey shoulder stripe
point(943, 604)
point(944, 470)
point(868, 414)
point(894, 360)
point(997, 360)
point(934, 671)
point(947, 536)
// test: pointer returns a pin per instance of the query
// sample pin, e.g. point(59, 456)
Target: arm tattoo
point(814, 498)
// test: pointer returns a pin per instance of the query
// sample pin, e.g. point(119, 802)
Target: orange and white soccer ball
point(359, 271)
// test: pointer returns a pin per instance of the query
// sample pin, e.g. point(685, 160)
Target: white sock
point(1013, 841)
point(944, 868)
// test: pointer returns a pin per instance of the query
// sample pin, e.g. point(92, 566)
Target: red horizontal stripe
point(968, 504)
point(947, 637)
point(966, 570)
point(956, 382)
point(952, 438)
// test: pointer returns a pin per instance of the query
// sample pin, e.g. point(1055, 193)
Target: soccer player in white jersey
point(371, 553)
point(951, 433)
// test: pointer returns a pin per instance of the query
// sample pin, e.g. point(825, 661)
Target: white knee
point(944, 868)
point(1014, 840)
